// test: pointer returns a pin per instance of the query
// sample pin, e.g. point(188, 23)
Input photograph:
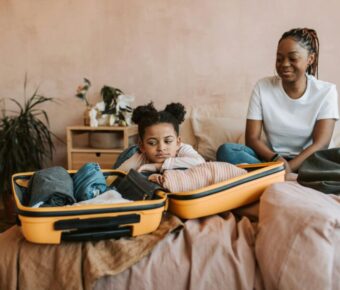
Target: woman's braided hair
point(146, 116)
point(308, 39)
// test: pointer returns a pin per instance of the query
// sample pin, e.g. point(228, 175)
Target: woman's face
point(160, 142)
point(292, 60)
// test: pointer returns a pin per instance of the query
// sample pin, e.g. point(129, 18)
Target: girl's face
point(160, 142)
point(292, 60)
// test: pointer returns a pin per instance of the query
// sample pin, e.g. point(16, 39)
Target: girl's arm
point(322, 134)
point(186, 157)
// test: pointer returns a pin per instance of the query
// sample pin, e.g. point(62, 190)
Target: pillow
point(211, 132)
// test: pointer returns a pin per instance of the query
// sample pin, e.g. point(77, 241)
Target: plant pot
point(87, 116)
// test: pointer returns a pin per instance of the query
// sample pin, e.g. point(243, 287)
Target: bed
point(294, 244)
point(290, 239)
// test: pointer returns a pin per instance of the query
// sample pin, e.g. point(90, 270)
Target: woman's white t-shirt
point(288, 123)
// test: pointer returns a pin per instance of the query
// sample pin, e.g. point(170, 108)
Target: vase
point(87, 116)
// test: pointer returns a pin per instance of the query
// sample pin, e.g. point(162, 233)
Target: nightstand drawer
point(105, 160)
point(102, 144)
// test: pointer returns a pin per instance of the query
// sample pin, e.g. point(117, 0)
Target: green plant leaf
point(26, 141)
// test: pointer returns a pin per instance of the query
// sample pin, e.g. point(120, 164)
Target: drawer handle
point(98, 154)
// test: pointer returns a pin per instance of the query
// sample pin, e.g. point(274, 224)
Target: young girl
point(296, 110)
point(160, 145)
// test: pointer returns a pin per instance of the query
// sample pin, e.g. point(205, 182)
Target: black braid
point(308, 39)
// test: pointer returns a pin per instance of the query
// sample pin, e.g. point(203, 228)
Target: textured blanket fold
point(214, 252)
point(71, 265)
point(298, 242)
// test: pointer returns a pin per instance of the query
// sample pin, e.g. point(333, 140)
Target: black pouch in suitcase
point(135, 186)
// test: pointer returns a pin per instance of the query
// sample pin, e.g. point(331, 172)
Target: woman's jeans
point(236, 154)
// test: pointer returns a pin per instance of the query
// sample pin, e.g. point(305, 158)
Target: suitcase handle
point(99, 235)
point(95, 223)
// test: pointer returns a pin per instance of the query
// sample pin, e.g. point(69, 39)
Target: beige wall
point(192, 51)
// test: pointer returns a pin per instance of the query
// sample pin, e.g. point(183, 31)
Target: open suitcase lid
point(255, 171)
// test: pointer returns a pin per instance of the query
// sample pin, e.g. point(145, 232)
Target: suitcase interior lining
point(21, 191)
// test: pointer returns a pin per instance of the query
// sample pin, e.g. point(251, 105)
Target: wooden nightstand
point(101, 144)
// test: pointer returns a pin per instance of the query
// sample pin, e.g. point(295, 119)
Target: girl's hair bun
point(146, 116)
point(143, 111)
point(177, 110)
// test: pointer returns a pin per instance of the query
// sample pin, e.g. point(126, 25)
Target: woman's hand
point(322, 135)
point(286, 164)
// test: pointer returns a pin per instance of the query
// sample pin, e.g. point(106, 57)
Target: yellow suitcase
point(230, 194)
point(50, 225)
point(93, 222)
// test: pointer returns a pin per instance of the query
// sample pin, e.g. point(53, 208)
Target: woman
point(296, 111)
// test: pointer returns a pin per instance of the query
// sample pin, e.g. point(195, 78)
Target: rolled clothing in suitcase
point(51, 225)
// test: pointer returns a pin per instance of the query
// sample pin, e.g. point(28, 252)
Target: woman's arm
point(253, 140)
point(322, 134)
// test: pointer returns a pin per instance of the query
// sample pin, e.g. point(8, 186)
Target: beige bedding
point(298, 242)
point(294, 245)
point(215, 252)
point(71, 265)
point(297, 247)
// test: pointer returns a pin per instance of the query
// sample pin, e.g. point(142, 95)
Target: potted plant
point(114, 109)
point(25, 143)
point(116, 105)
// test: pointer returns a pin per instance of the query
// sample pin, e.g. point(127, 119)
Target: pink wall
point(180, 50)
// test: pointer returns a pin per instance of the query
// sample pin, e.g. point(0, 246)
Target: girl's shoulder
point(185, 146)
point(186, 149)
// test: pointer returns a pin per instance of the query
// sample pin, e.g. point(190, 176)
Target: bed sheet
point(215, 252)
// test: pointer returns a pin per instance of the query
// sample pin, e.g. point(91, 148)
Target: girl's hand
point(157, 178)
point(151, 167)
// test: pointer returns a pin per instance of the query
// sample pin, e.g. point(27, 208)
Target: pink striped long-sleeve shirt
point(186, 157)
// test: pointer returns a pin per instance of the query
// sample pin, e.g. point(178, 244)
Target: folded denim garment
point(88, 182)
point(52, 187)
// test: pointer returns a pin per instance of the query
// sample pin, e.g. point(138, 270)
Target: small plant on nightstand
point(114, 110)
